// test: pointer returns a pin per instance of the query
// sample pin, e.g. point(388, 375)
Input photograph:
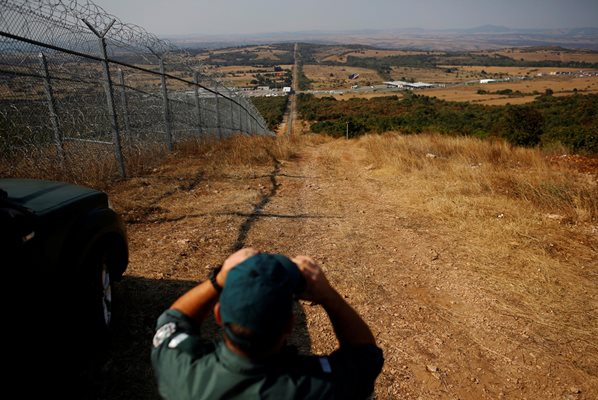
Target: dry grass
point(498, 243)
point(87, 164)
point(95, 166)
point(463, 170)
point(240, 151)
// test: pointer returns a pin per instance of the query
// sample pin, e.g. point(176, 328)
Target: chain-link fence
point(82, 92)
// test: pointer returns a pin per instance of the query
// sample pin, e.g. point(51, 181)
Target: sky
point(218, 17)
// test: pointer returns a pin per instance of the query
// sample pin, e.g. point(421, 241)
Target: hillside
point(473, 262)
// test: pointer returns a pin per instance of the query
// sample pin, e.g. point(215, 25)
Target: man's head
point(256, 305)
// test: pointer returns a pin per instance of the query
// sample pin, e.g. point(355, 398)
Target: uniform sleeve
point(175, 347)
point(354, 370)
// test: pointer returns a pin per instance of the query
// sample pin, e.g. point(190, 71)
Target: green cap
point(258, 294)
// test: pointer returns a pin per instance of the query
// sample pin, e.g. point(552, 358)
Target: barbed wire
point(78, 84)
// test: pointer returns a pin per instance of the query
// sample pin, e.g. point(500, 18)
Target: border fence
point(80, 91)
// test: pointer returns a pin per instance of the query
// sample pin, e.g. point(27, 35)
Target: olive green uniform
point(188, 368)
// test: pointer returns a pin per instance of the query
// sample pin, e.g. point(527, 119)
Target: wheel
point(100, 297)
point(106, 294)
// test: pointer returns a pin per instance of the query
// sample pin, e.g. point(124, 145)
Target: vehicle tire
point(106, 294)
point(101, 300)
point(94, 301)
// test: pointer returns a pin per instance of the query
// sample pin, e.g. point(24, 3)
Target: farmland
point(456, 75)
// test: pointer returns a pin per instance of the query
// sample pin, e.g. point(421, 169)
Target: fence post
point(232, 116)
point(240, 119)
point(169, 140)
point(218, 126)
point(197, 103)
point(247, 122)
point(110, 96)
point(52, 109)
point(125, 105)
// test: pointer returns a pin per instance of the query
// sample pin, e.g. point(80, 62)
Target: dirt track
point(446, 331)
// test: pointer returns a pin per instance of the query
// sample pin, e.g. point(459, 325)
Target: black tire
point(101, 296)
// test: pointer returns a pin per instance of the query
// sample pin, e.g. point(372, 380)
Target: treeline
point(272, 109)
point(383, 64)
point(304, 82)
point(571, 121)
point(247, 57)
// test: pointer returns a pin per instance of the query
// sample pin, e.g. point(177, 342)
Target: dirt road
point(442, 325)
point(288, 125)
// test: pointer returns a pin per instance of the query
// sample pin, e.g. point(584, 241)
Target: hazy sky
point(257, 16)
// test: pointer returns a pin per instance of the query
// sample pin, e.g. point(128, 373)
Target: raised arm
point(198, 302)
point(349, 327)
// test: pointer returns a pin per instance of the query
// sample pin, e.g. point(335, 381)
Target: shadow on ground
point(127, 373)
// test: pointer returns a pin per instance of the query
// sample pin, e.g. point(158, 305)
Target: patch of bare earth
point(465, 301)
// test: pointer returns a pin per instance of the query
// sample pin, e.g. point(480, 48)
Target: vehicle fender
point(100, 227)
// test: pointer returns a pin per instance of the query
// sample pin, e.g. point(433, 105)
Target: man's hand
point(348, 326)
point(232, 261)
point(317, 288)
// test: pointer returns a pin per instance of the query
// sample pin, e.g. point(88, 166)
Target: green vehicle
point(68, 245)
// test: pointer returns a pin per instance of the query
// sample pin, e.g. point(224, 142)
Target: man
point(256, 293)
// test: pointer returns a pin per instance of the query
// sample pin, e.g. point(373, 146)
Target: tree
point(523, 126)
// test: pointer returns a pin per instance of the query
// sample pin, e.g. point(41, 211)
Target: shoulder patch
point(325, 364)
point(175, 341)
point(164, 333)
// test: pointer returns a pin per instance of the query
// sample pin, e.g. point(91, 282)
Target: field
point(340, 54)
point(261, 52)
point(473, 262)
point(328, 68)
point(241, 76)
point(469, 93)
point(549, 55)
point(332, 77)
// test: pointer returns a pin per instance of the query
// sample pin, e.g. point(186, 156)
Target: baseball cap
point(258, 295)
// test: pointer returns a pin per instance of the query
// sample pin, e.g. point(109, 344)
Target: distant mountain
point(583, 32)
point(488, 29)
point(478, 38)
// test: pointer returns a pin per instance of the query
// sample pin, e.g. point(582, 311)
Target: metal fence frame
point(206, 108)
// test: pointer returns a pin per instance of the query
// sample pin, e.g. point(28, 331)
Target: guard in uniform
point(252, 298)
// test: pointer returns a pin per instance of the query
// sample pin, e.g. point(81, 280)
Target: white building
point(413, 85)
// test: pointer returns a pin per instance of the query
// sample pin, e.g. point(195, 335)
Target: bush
point(523, 126)
point(571, 121)
point(272, 109)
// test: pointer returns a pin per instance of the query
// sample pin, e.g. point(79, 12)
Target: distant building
point(410, 85)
